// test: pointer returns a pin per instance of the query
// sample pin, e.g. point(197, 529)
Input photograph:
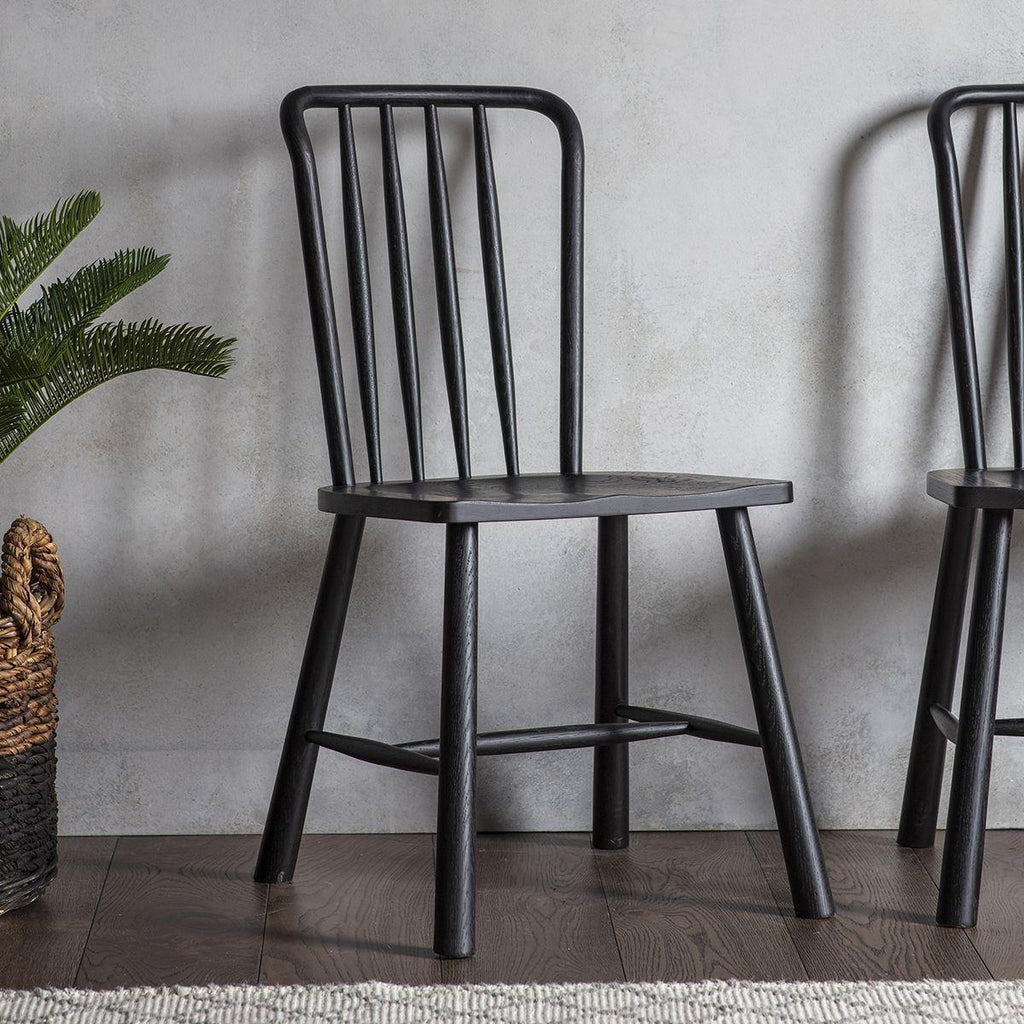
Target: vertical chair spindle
point(401, 292)
point(359, 292)
point(449, 319)
point(570, 413)
point(494, 284)
point(958, 286)
point(1014, 232)
point(322, 313)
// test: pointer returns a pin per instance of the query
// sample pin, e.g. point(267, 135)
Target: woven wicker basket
point(31, 600)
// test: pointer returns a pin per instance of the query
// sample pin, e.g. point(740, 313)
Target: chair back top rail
point(954, 252)
point(318, 274)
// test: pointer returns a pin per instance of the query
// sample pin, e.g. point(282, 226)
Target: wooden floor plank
point(689, 906)
point(884, 925)
point(541, 913)
point(999, 935)
point(177, 910)
point(182, 910)
point(41, 945)
point(359, 908)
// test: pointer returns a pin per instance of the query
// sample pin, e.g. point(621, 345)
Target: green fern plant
point(54, 350)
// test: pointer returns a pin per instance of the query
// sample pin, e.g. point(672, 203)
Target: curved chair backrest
point(954, 251)
point(318, 278)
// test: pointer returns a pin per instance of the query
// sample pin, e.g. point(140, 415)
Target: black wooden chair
point(993, 492)
point(462, 503)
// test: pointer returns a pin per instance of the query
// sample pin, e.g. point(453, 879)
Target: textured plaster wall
point(764, 298)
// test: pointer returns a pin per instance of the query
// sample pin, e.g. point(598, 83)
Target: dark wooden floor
point(675, 906)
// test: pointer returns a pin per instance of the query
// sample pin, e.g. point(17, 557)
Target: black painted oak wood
point(323, 319)
point(454, 911)
point(949, 726)
point(883, 928)
point(561, 737)
point(997, 493)
point(551, 496)
point(804, 862)
point(315, 255)
point(923, 786)
point(1013, 219)
point(946, 723)
point(387, 755)
point(700, 728)
point(954, 253)
point(494, 282)
point(41, 945)
point(610, 811)
point(447, 287)
point(978, 488)
point(968, 797)
point(360, 300)
point(420, 755)
point(402, 303)
point(464, 502)
point(287, 814)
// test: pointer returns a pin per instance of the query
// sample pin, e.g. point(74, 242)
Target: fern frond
point(11, 410)
point(106, 351)
point(26, 250)
point(32, 339)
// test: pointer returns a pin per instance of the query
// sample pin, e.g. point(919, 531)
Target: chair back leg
point(287, 815)
point(611, 678)
point(454, 895)
point(960, 881)
point(923, 787)
point(801, 847)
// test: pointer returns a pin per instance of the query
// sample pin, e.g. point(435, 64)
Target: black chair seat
point(978, 488)
point(485, 499)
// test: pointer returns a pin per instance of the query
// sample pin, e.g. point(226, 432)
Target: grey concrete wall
point(764, 298)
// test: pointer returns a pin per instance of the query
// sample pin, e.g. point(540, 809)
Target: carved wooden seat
point(493, 499)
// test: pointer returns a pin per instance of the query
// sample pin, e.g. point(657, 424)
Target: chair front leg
point(923, 787)
point(455, 875)
point(801, 847)
point(611, 683)
point(960, 881)
point(287, 815)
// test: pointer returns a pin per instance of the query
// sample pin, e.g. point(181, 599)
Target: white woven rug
point(733, 1002)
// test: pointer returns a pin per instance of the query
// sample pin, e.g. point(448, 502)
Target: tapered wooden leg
point(287, 814)
point(968, 798)
point(923, 787)
point(611, 762)
point(455, 890)
point(801, 847)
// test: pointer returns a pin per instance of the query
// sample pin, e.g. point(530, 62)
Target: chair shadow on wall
point(845, 572)
point(231, 612)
